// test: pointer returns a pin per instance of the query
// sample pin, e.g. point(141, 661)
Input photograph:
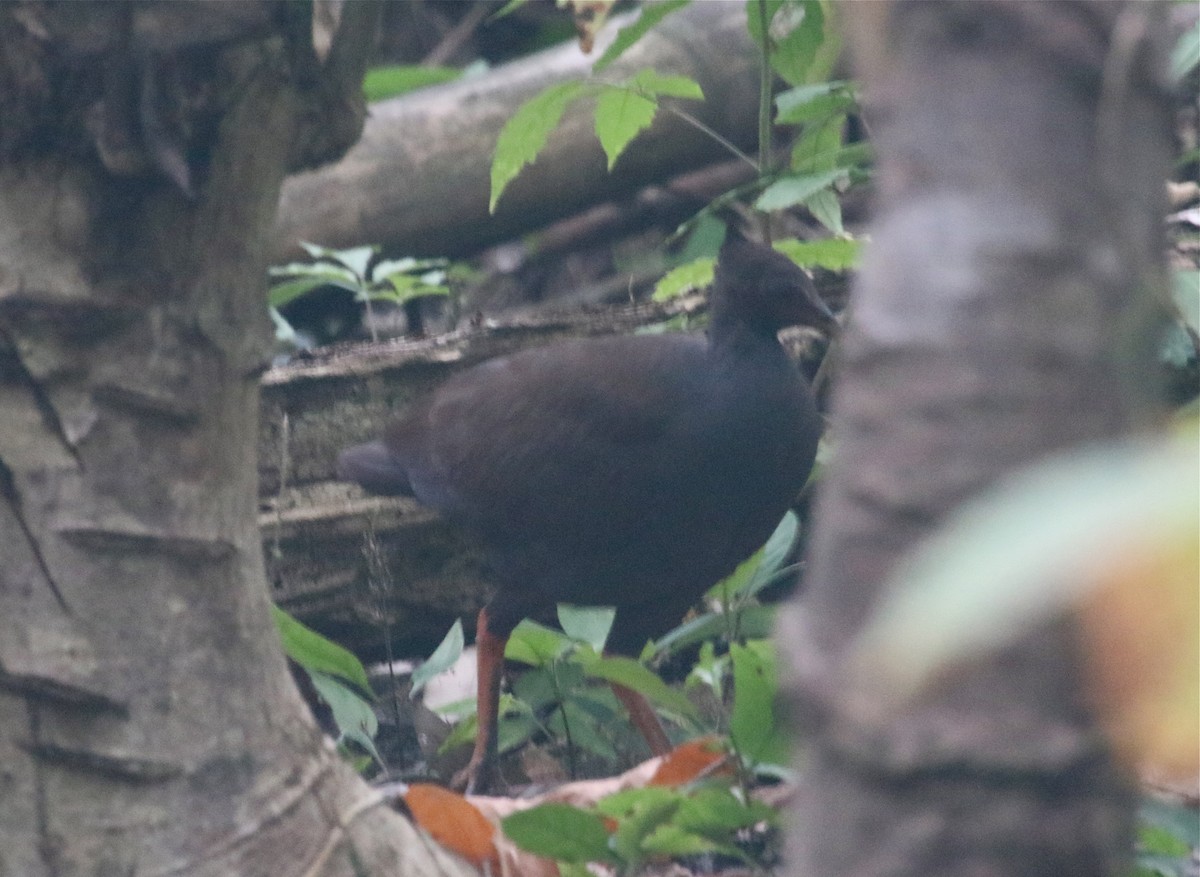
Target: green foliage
point(620, 116)
point(795, 31)
point(443, 658)
point(337, 676)
point(1167, 839)
point(651, 14)
point(382, 83)
point(642, 824)
point(352, 714)
point(739, 615)
point(560, 831)
point(1186, 54)
point(1186, 293)
point(392, 280)
point(757, 736)
point(524, 135)
point(315, 653)
point(800, 47)
point(798, 189)
point(820, 100)
point(623, 109)
point(832, 254)
point(694, 275)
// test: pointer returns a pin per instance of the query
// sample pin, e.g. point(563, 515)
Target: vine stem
point(764, 90)
point(728, 144)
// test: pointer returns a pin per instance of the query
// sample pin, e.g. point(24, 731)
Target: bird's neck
point(739, 339)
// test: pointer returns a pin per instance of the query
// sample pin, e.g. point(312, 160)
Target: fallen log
point(418, 180)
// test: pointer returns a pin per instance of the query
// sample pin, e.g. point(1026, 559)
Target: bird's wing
point(531, 434)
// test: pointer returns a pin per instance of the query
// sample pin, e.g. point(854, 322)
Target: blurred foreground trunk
point(1004, 313)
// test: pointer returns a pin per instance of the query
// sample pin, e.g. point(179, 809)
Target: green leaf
point(327, 271)
point(694, 275)
point(590, 624)
point(355, 258)
point(317, 654)
point(752, 726)
point(585, 734)
point(760, 567)
point(620, 115)
point(738, 579)
point(510, 6)
point(628, 672)
point(381, 83)
point(385, 268)
point(353, 715)
point(1186, 292)
point(1020, 555)
point(404, 287)
point(753, 620)
point(448, 651)
point(825, 206)
point(669, 839)
point(652, 82)
point(524, 135)
point(833, 254)
point(1186, 53)
point(1176, 818)
point(284, 331)
point(559, 831)
point(715, 812)
point(818, 149)
point(753, 21)
point(652, 14)
point(781, 542)
point(282, 293)
point(797, 189)
point(807, 102)
point(638, 824)
point(535, 644)
point(793, 54)
point(514, 731)
point(1160, 842)
point(627, 802)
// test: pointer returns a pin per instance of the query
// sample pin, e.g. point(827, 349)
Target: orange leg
point(644, 718)
point(479, 774)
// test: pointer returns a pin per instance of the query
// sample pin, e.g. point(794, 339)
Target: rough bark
point(418, 181)
point(147, 721)
point(1004, 312)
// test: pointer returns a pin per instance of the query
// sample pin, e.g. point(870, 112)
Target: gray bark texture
point(1004, 313)
point(418, 180)
point(148, 724)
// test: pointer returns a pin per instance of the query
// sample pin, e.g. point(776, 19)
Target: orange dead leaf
point(1141, 639)
point(455, 823)
point(688, 761)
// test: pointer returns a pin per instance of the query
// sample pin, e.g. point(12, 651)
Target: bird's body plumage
point(632, 472)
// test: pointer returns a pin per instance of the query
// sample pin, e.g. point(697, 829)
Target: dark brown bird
point(632, 472)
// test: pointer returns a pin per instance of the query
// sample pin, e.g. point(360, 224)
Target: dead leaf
point(1142, 647)
point(455, 823)
point(690, 761)
point(590, 16)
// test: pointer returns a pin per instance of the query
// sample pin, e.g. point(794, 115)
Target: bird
point(629, 471)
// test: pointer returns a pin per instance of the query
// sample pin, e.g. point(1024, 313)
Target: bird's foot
point(479, 777)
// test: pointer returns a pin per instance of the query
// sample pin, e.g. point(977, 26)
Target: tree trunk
point(148, 724)
point(418, 181)
point(1004, 312)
